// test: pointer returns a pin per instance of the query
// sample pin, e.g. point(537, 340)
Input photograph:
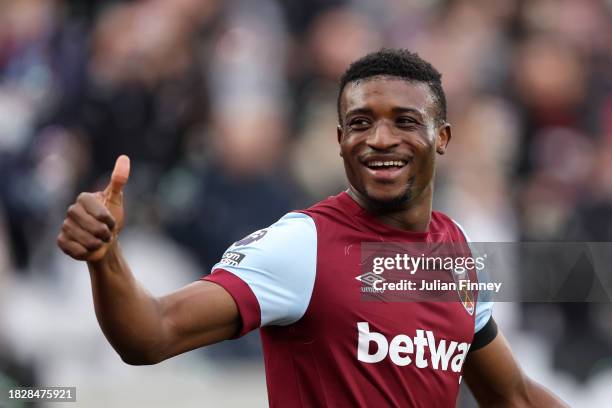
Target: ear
point(339, 133)
point(443, 138)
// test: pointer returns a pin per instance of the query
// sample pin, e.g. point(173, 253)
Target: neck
point(414, 216)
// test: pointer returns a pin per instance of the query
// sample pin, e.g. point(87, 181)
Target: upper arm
point(270, 274)
point(493, 374)
point(196, 315)
point(264, 279)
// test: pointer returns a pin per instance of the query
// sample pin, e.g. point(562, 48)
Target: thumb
point(119, 178)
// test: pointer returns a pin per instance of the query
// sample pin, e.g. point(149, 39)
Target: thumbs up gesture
point(94, 221)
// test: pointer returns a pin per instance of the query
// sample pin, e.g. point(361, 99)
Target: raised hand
point(94, 221)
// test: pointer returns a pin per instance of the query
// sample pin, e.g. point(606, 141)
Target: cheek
point(426, 140)
point(349, 150)
point(425, 147)
point(345, 152)
point(352, 166)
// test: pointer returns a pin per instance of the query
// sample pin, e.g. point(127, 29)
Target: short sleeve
point(484, 311)
point(484, 304)
point(271, 273)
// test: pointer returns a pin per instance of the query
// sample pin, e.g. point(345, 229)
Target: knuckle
point(108, 220)
point(99, 213)
point(90, 239)
point(102, 231)
point(94, 243)
point(69, 237)
point(72, 211)
point(82, 196)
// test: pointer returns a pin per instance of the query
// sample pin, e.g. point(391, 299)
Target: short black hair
point(399, 63)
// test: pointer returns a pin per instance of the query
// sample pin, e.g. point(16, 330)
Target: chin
point(388, 201)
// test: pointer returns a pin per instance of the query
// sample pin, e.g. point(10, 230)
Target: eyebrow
point(401, 109)
point(396, 110)
point(359, 111)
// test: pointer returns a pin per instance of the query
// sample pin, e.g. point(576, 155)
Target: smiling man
point(295, 280)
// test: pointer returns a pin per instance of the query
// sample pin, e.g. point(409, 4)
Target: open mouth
point(381, 165)
point(386, 170)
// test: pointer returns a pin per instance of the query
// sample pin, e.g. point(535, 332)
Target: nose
point(382, 137)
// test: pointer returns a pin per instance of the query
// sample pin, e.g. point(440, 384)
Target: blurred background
point(227, 110)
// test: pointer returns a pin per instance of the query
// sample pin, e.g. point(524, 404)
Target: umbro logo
point(370, 278)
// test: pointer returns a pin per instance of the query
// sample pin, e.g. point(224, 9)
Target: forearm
point(538, 396)
point(526, 393)
point(128, 315)
point(496, 380)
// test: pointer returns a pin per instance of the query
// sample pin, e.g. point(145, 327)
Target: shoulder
point(278, 266)
point(329, 205)
point(290, 226)
point(333, 212)
point(441, 222)
point(291, 239)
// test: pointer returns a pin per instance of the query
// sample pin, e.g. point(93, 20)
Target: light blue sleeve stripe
point(484, 306)
point(279, 267)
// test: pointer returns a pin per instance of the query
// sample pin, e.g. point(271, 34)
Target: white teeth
point(398, 163)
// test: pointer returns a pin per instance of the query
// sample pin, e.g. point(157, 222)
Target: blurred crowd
point(228, 112)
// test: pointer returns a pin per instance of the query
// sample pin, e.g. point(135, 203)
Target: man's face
point(388, 139)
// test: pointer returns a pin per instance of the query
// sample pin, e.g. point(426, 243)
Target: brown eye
point(359, 123)
point(406, 122)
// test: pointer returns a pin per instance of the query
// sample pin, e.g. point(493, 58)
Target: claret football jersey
point(323, 345)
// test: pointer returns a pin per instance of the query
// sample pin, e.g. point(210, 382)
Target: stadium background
point(227, 109)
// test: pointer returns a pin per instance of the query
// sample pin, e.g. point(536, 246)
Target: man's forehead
point(386, 90)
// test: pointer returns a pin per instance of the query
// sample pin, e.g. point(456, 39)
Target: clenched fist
point(93, 222)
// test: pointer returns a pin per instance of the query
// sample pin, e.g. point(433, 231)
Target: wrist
point(108, 258)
